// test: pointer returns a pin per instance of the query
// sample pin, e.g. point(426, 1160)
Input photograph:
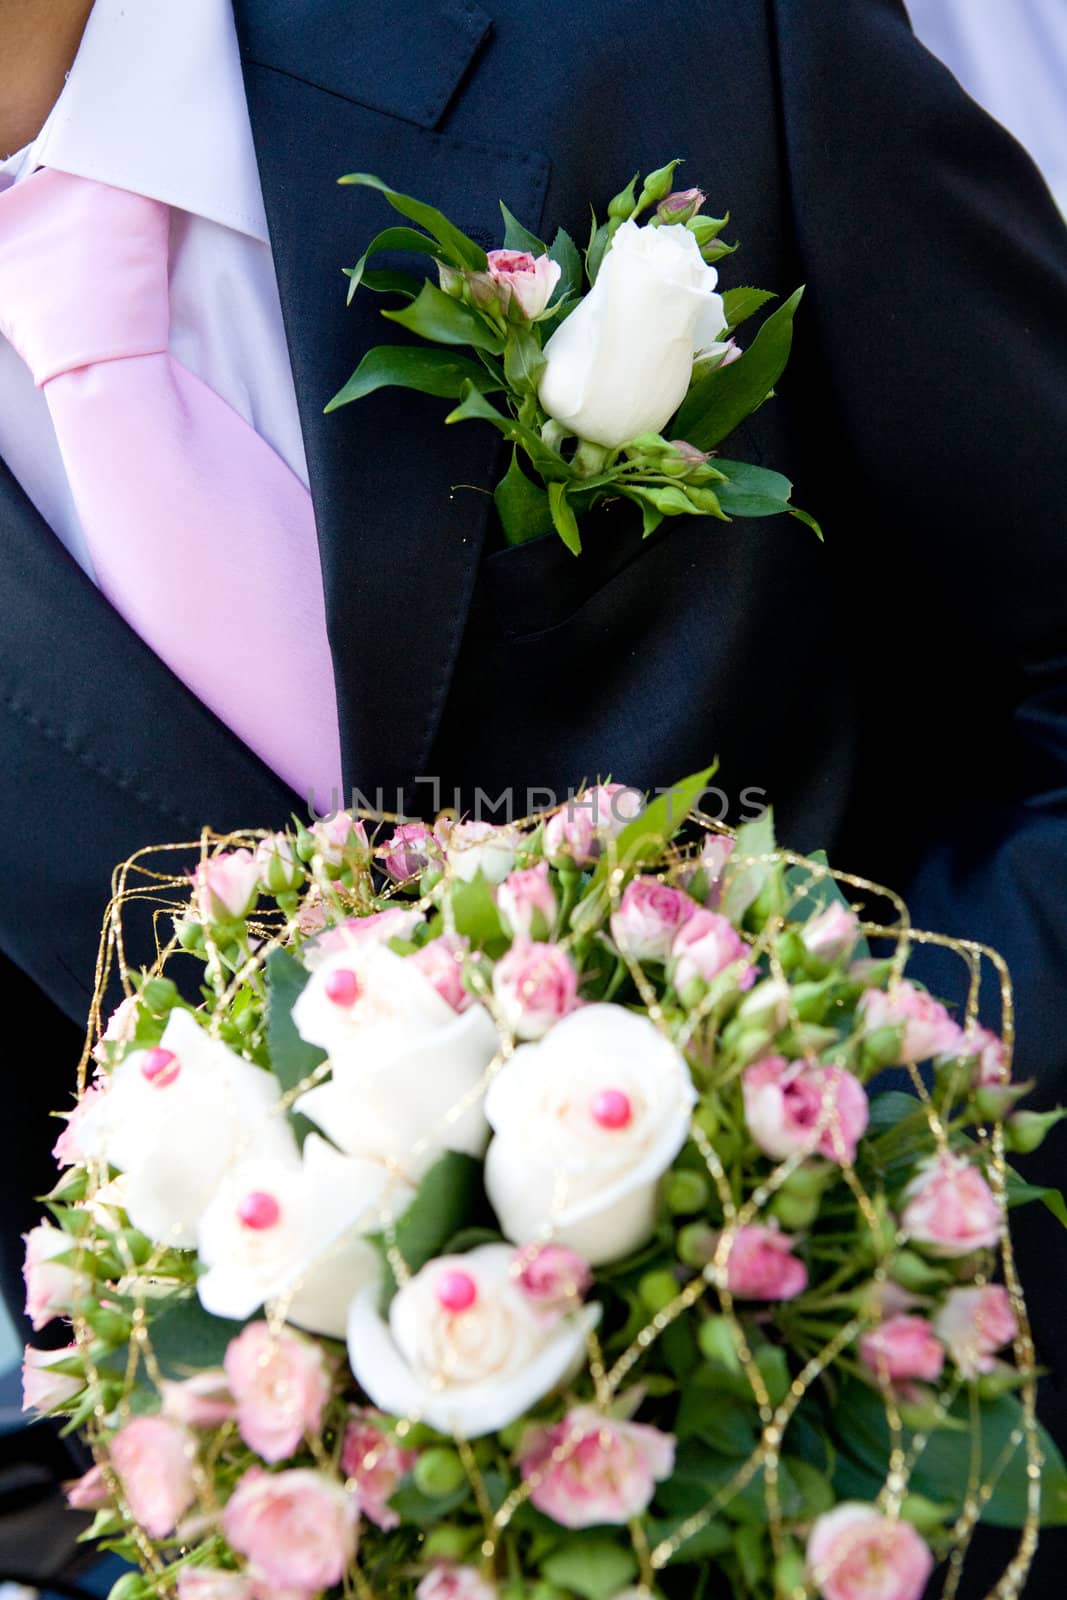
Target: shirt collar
point(155, 103)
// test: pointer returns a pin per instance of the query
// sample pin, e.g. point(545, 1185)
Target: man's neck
point(38, 42)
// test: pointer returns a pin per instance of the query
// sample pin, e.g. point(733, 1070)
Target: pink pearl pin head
point(160, 1067)
point(259, 1211)
point(456, 1291)
point(342, 987)
point(611, 1109)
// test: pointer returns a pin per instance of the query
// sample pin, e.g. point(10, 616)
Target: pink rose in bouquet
point(590, 1468)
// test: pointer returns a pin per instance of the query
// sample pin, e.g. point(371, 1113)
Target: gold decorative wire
point(144, 881)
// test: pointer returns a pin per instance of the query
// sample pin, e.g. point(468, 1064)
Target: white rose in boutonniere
point(295, 1232)
point(585, 1122)
point(621, 364)
point(407, 1069)
point(465, 1348)
point(175, 1118)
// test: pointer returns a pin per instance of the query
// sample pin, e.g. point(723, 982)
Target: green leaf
point(521, 506)
point(421, 1510)
point(185, 1339)
point(723, 398)
point(449, 1197)
point(753, 491)
point(1020, 1193)
point(565, 252)
point(475, 913)
point(388, 282)
point(435, 315)
point(461, 251)
point(647, 836)
point(744, 882)
point(598, 249)
point(595, 1569)
point(563, 519)
point(516, 237)
point(292, 1059)
point(941, 1471)
point(431, 371)
point(390, 239)
point(475, 407)
point(739, 304)
point(524, 361)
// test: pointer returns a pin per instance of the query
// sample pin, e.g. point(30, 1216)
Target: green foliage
point(431, 371)
point(187, 1339)
point(437, 316)
point(292, 1059)
point(455, 246)
point(450, 1197)
point(723, 398)
point(522, 507)
point(595, 1569)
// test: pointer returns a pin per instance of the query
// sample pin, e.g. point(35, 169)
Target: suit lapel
point(400, 501)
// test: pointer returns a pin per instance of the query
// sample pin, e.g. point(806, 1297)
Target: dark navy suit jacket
point(900, 693)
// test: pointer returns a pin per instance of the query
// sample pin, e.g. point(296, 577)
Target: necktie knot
point(83, 273)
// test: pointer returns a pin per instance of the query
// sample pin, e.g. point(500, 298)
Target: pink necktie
point(201, 536)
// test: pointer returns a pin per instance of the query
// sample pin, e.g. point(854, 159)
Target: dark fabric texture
point(899, 694)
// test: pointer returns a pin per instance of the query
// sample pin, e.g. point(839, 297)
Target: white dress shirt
point(155, 103)
point(1010, 56)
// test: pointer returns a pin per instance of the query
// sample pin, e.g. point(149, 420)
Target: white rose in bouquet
point(292, 1232)
point(176, 1118)
point(585, 1122)
point(465, 1348)
point(407, 1069)
point(622, 362)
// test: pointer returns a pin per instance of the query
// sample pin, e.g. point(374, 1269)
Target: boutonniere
point(614, 373)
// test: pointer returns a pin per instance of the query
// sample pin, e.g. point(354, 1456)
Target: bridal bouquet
point(477, 1212)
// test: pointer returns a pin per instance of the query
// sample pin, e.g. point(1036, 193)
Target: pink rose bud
point(712, 861)
point(53, 1286)
point(762, 1267)
point(855, 1553)
point(693, 458)
point(950, 1208)
point(680, 206)
point(706, 945)
point(648, 917)
point(121, 1027)
point(203, 1401)
point(902, 1348)
point(974, 1324)
point(571, 836)
point(524, 281)
point(298, 1529)
point(279, 870)
point(212, 1583)
point(339, 836)
point(442, 962)
point(928, 1029)
point(448, 1582)
point(89, 1492)
point(787, 1103)
point(226, 887)
point(535, 986)
point(281, 1384)
point(43, 1389)
point(153, 1460)
point(552, 1276)
point(613, 806)
point(408, 850)
point(990, 1056)
point(832, 935)
point(373, 1463)
point(527, 902)
point(591, 1469)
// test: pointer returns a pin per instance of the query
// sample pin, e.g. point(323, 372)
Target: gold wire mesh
point(145, 881)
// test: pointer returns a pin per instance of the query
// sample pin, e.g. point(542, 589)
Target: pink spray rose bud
point(279, 870)
point(711, 863)
point(680, 206)
point(762, 1267)
point(648, 917)
point(613, 806)
point(902, 1348)
point(788, 1102)
point(603, 1472)
point(374, 1464)
point(974, 1324)
point(552, 1276)
point(408, 850)
point(281, 1384)
point(121, 1027)
point(693, 458)
point(76, 1145)
point(53, 1287)
point(535, 986)
point(339, 836)
point(527, 902)
point(990, 1056)
point(950, 1208)
point(524, 282)
point(448, 1582)
point(571, 837)
point(442, 962)
point(212, 1583)
point(153, 1460)
point(226, 887)
point(928, 1029)
point(705, 945)
point(203, 1401)
point(855, 1553)
point(89, 1492)
point(43, 1389)
point(298, 1529)
point(832, 936)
